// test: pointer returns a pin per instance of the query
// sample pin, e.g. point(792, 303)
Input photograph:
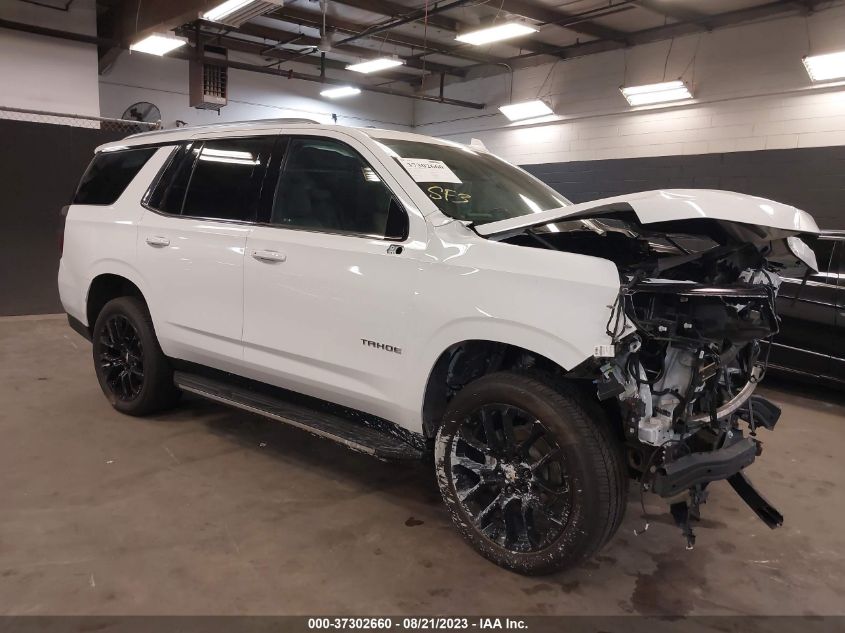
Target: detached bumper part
point(695, 471)
point(701, 468)
point(757, 502)
point(758, 411)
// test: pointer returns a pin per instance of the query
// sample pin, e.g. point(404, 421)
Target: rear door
point(329, 279)
point(191, 246)
point(807, 307)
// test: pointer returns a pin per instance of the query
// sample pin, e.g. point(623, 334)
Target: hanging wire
point(425, 43)
point(691, 62)
point(496, 17)
point(548, 75)
point(510, 69)
point(625, 66)
point(668, 53)
point(807, 27)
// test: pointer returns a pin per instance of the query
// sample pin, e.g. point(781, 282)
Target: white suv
point(402, 294)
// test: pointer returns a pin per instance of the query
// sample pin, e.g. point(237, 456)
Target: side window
point(327, 186)
point(109, 174)
point(168, 194)
point(227, 178)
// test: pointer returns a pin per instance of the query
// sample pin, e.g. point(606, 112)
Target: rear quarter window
point(109, 174)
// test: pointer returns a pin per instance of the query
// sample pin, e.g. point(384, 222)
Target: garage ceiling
point(422, 33)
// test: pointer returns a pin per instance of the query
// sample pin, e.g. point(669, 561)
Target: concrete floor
point(209, 510)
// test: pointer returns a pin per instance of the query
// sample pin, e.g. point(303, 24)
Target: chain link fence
point(121, 127)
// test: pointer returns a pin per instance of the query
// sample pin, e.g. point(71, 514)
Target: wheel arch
point(464, 361)
point(105, 287)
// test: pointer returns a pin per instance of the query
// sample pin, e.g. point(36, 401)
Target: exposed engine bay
point(690, 327)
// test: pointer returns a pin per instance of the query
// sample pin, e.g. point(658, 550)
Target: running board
point(351, 433)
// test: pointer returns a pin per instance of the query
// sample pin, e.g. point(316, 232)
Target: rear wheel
point(530, 472)
point(133, 372)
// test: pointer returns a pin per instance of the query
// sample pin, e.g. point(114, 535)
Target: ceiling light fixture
point(157, 44)
point(656, 93)
point(375, 65)
point(342, 91)
point(227, 8)
point(526, 110)
point(825, 67)
point(496, 33)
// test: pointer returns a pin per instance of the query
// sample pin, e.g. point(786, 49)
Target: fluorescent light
point(657, 93)
point(825, 67)
point(342, 91)
point(375, 65)
point(221, 11)
point(495, 33)
point(525, 110)
point(228, 156)
point(157, 44)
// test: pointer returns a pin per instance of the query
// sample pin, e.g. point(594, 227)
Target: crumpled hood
point(664, 205)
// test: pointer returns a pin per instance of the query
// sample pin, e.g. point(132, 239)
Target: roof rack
point(261, 121)
point(295, 120)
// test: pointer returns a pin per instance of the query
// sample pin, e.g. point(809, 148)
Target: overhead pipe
point(290, 74)
point(64, 35)
point(413, 16)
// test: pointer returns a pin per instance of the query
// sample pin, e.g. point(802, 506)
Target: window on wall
point(227, 178)
point(109, 174)
point(327, 186)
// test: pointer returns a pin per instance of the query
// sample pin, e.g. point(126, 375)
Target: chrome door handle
point(157, 241)
point(269, 257)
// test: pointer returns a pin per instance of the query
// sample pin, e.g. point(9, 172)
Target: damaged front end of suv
point(689, 329)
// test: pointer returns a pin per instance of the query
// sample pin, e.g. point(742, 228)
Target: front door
point(329, 280)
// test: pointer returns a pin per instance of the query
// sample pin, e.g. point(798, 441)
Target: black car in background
point(811, 341)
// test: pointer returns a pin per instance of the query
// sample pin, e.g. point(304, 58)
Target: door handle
point(158, 241)
point(269, 257)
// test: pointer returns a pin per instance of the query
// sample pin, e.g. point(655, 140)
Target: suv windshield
point(469, 185)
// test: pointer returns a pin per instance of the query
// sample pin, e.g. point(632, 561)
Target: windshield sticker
point(435, 192)
point(427, 170)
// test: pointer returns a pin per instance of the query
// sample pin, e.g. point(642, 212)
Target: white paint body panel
point(298, 322)
point(664, 205)
point(194, 285)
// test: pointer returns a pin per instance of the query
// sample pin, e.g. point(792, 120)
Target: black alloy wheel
point(122, 358)
point(133, 372)
point(531, 471)
point(511, 478)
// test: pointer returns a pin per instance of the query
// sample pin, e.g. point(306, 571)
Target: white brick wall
point(751, 93)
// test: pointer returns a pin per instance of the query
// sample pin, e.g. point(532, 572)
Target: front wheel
point(133, 372)
point(531, 473)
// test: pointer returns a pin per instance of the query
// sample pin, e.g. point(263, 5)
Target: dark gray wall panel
point(812, 179)
point(40, 165)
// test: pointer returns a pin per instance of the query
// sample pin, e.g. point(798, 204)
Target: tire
point(134, 374)
point(530, 471)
